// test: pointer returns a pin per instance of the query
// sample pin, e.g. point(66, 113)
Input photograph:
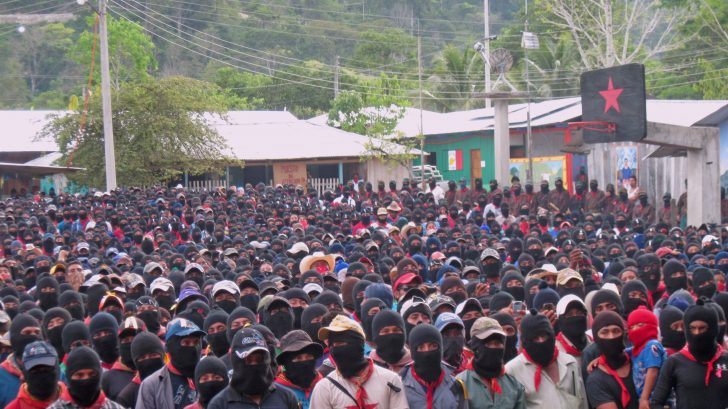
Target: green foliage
point(456, 76)
point(131, 52)
point(160, 130)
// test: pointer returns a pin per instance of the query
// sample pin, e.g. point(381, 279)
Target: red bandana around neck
point(431, 386)
point(359, 381)
point(493, 383)
point(615, 375)
point(568, 347)
point(718, 352)
point(539, 368)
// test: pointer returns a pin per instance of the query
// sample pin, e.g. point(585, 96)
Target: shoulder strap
point(458, 388)
point(341, 387)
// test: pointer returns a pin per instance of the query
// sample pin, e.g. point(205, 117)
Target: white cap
point(161, 283)
point(565, 301)
point(225, 285)
point(310, 287)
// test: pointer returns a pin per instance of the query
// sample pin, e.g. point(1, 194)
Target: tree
point(456, 75)
point(41, 49)
point(160, 130)
point(376, 114)
point(607, 33)
point(131, 52)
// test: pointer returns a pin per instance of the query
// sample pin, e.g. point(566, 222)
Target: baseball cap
point(299, 247)
point(194, 266)
point(440, 300)
point(484, 327)
point(565, 301)
point(470, 302)
point(230, 251)
point(161, 283)
point(568, 274)
point(225, 285)
point(406, 279)
point(131, 326)
point(39, 353)
point(312, 287)
point(411, 303)
point(182, 327)
point(447, 318)
point(149, 267)
point(489, 252)
point(247, 341)
point(340, 323)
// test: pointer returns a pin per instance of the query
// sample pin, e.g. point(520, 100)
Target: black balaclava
point(147, 343)
point(511, 350)
point(206, 391)
point(72, 332)
point(671, 338)
point(574, 327)
point(151, 318)
point(18, 341)
point(426, 364)
point(518, 293)
point(183, 358)
point(67, 298)
point(328, 297)
point(390, 347)
point(422, 308)
point(84, 392)
point(349, 358)
point(107, 346)
point(701, 276)
point(702, 346)
point(218, 341)
point(631, 304)
point(487, 361)
point(196, 311)
point(606, 295)
point(303, 372)
point(94, 294)
point(240, 312)
point(270, 341)
point(292, 293)
point(532, 325)
point(250, 301)
point(280, 323)
point(42, 381)
point(533, 282)
point(55, 335)
point(359, 287)
point(250, 379)
point(515, 248)
point(720, 337)
point(47, 300)
point(674, 283)
point(366, 319)
point(612, 349)
point(312, 312)
point(453, 346)
point(12, 312)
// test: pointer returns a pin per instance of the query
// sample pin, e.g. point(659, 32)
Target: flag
point(455, 160)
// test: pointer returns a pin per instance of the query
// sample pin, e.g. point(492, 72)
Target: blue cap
point(181, 327)
point(190, 293)
point(447, 318)
point(39, 353)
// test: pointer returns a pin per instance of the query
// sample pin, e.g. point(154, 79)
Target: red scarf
point(615, 375)
point(431, 386)
point(539, 368)
point(359, 381)
point(282, 380)
point(10, 366)
point(568, 347)
point(718, 353)
point(493, 383)
point(96, 405)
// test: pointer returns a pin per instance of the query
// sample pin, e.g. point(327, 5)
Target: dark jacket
point(273, 398)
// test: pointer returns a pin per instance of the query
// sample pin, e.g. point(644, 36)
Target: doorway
point(475, 169)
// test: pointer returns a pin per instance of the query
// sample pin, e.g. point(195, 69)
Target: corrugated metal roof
point(681, 112)
point(19, 130)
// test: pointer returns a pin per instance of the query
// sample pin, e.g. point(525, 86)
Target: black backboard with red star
point(615, 95)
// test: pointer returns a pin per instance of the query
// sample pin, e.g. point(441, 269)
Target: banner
point(455, 160)
point(546, 168)
point(290, 173)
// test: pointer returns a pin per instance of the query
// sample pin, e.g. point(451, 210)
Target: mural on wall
point(544, 168)
point(626, 163)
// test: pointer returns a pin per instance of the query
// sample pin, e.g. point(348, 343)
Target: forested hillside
point(276, 54)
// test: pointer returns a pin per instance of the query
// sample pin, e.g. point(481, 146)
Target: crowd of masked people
point(278, 297)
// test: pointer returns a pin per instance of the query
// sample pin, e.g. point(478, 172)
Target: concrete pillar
point(703, 181)
point(502, 145)
point(341, 173)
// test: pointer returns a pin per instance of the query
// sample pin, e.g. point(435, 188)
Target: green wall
point(441, 144)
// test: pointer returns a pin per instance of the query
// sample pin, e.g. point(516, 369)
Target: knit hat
point(72, 332)
point(380, 291)
point(239, 312)
point(424, 333)
point(210, 364)
point(604, 319)
point(606, 295)
point(449, 283)
point(385, 318)
point(500, 300)
point(103, 321)
point(214, 317)
point(82, 358)
point(545, 296)
point(534, 324)
point(146, 343)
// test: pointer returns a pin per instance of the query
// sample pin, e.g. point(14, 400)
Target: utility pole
point(422, 136)
point(109, 156)
point(486, 43)
point(529, 144)
point(336, 77)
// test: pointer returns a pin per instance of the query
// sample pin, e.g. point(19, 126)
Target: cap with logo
point(181, 327)
point(484, 327)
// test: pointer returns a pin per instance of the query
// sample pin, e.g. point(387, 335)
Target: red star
point(611, 97)
point(369, 406)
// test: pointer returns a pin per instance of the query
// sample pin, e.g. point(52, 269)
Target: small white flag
point(529, 41)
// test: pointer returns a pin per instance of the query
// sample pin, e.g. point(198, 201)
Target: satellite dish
point(501, 61)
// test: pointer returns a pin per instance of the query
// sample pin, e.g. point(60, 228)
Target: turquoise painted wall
point(440, 145)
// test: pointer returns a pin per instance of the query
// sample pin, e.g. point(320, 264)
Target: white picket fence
point(322, 184)
point(198, 185)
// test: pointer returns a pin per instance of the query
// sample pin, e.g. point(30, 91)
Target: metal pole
point(109, 156)
point(422, 136)
point(529, 145)
point(336, 78)
point(486, 43)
